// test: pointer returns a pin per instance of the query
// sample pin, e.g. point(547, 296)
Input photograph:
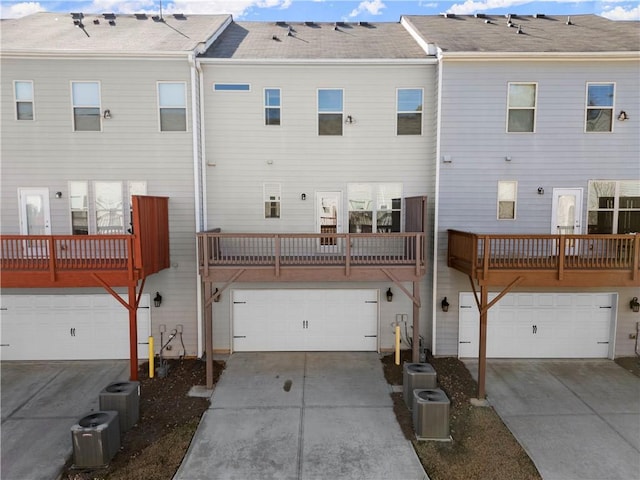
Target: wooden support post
point(133, 333)
point(415, 354)
point(208, 335)
point(482, 354)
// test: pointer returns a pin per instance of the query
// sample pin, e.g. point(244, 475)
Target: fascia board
point(538, 56)
point(320, 61)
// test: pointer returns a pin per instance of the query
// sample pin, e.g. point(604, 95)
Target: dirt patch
point(632, 364)
point(154, 448)
point(482, 446)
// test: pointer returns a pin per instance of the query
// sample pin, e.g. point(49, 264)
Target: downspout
point(436, 206)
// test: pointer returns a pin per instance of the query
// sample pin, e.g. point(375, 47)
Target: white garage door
point(305, 320)
point(69, 327)
point(541, 325)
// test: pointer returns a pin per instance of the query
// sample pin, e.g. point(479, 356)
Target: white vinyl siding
point(599, 109)
point(172, 106)
point(521, 115)
point(23, 96)
point(86, 106)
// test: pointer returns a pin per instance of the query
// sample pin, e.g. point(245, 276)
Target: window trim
point(515, 199)
point(186, 113)
point(341, 112)
point(16, 100)
point(231, 87)
point(586, 106)
point(398, 112)
point(270, 107)
point(534, 108)
point(73, 106)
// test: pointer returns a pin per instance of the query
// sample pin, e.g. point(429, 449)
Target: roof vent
point(77, 16)
point(449, 15)
point(179, 16)
point(109, 16)
point(539, 15)
point(487, 21)
point(310, 24)
point(569, 21)
point(290, 32)
point(141, 16)
point(96, 21)
point(363, 24)
point(275, 38)
point(78, 23)
point(519, 29)
point(340, 24)
point(480, 15)
point(281, 24)
point(511, 15)
point(157, 18)
point(112, 23)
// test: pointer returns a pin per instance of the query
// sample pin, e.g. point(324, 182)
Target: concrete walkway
point(576, 419)
point(301, 416)
point(41, 401)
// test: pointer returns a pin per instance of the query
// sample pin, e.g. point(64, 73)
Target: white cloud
point(620, 13)
point(470, 6)
point(373, 7)
point(18, 10)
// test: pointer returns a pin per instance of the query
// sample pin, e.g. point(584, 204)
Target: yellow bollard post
point(151, 358)
point(397, 344)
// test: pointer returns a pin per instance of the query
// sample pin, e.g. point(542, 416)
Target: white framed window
point(23, 95)
point(86, 106)
point(102, 207)
point(507, 195)
point(231, 87)
point(272, 106)
point(614, 206)
point(599, 108)
point(172, 106)
point(330, 111)
point(272, 194)
point(375, 207)
point(409, 106)
point(521, 107)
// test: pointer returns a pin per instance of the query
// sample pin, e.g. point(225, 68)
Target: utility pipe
point(151, 358)
point(397, 344)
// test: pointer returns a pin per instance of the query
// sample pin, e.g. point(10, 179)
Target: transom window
point(86, 106)
point(330, 111)
point(507, 194)
point(272, 106)
point(23, 91)
point(172, 105)
point(614, 206)
point(409, 111)
point(375, 207)
point(521, 116)
point(599, 111)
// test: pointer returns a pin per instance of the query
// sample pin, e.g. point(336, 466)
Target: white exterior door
point(328, 218)
point(541, 325)
point(35, 217)
point(566, 216)
point(305, 320)
point(69, 327)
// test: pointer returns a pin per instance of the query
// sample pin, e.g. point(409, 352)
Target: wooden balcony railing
point(483, 256)
point(280, 250)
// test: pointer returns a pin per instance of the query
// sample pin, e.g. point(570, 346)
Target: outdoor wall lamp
point(303, 196)
point(216, 296)
point(157, 300)
point(622, 116)
point(540, 191)
point(444, 304)
point(58, 194)
point(389, 295)
point(107, 114)
point(634, 305)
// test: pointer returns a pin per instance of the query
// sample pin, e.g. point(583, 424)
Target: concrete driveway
point(577, 419)
point(40, 403)
point(301, 416)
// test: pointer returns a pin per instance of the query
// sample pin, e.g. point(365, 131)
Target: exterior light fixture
point(303, 196)
point(389, 295)
point(634, 305)
point(157, 300)
point(444, 304)
point(107, 114)
point(58, 194)
point(540, 191)
point(622, 116)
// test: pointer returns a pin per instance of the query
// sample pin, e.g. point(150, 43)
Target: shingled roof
point(310, 40)
point(530, 33)
point(96, 33)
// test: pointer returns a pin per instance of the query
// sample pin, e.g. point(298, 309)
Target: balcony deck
point(546, 260)
point(322, 257)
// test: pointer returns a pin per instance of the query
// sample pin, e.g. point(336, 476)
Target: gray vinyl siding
point(48, 153)
point(559, 154)
point(239, 147)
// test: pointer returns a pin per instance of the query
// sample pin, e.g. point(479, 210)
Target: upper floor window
point(23, 90)
point(272, 106)
point(330, 111)
point(172, 105)
point(521, 116)
point(375, 207)
point(232, 87)
point(271, 194)
point(614, 206)
point(599, 111)
point(409, 111)
point(86, 106)
point(507, 193)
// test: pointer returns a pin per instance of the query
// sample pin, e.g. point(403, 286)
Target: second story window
point(521, 116)
point(599, 114)
point(330, 111)
point(272, 106)
point(23, 91)
point(86, 106)
point(172, 105)
point(409, 108)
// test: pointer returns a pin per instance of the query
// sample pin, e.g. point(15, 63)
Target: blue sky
point(329, 10)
